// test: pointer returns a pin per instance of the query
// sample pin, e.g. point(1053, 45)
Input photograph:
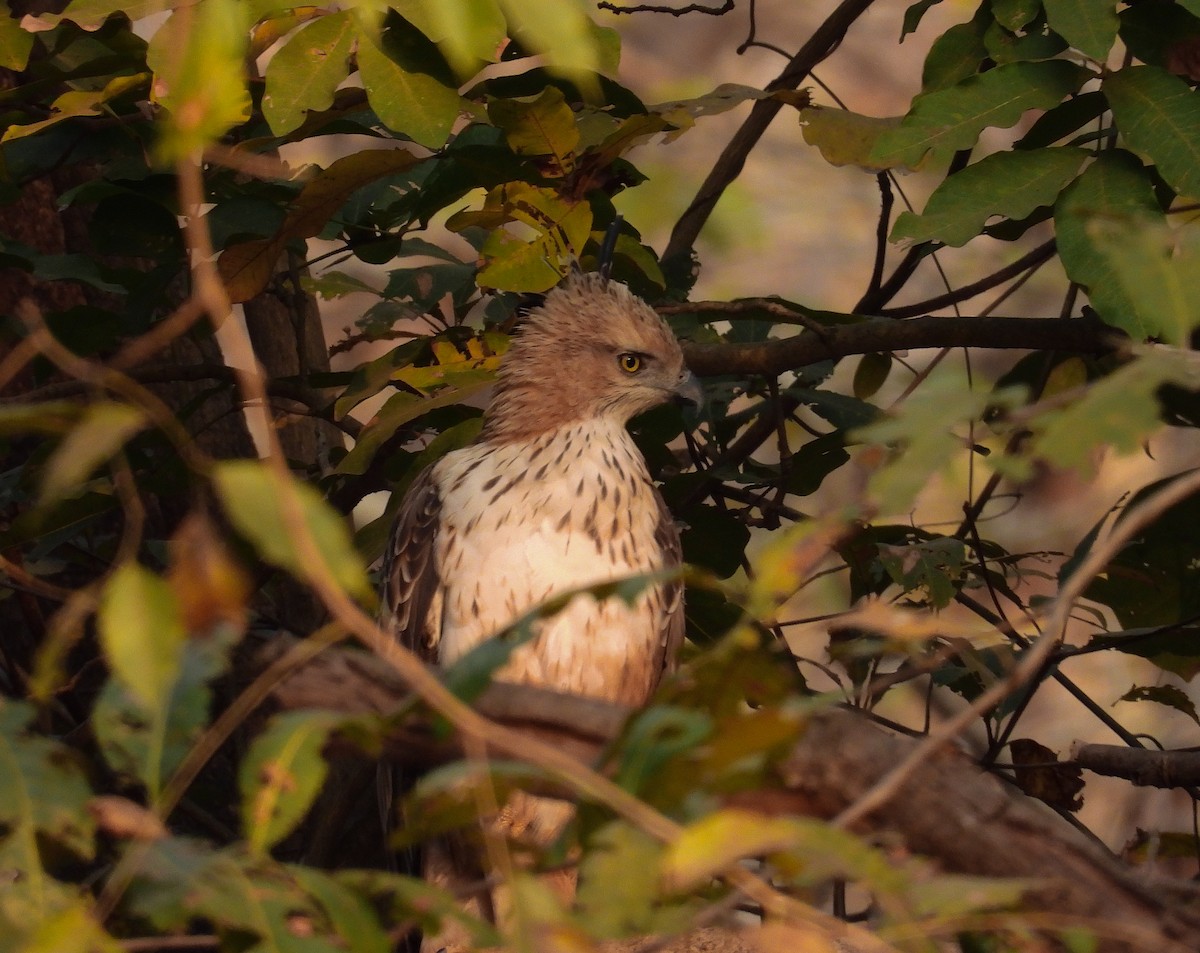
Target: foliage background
point(858, 516)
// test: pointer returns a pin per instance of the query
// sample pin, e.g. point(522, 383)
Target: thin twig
point(1135, 519)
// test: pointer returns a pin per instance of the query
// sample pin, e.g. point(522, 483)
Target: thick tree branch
point(947, 809)
point(729, 165)
point(1073, 335)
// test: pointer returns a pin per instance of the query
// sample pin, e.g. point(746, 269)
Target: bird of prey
point(553, 496)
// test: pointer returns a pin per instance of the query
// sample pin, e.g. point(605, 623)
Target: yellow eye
point(630, 363)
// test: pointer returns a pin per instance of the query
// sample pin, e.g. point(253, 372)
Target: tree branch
point(1159, 769)
point(948, 809)
point(772, 357)
point(729, 165)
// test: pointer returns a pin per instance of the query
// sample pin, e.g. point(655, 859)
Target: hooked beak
point(688, 390)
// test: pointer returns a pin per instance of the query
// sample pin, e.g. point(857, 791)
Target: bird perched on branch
point(553, 496)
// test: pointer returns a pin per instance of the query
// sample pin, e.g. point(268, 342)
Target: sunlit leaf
point(76, 103)
point(950, 895)
point(304, 74)
point(952, 118)
point(260, 505)
point(91, 14)
point(282, 774)
point(104, 428)
point(414, 103)
point(15, 43)
point(562, 32)
point(470, 32)
point(71, 930)
point(711, 845)
point(1010, 184)
point(197, 57)
point(1159, 115)
point(561, 228)
point(1088, 25)
point(544, 127)
point(844, 137)
point(142, 633)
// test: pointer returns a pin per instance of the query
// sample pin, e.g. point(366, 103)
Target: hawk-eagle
point(553, 496)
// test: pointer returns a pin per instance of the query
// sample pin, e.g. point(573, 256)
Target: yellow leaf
point(714, 843)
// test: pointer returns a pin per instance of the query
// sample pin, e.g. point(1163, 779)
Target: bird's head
point(592, 349)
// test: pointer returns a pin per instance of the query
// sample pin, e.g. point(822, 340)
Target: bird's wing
point(666, 535)
point(411, 605)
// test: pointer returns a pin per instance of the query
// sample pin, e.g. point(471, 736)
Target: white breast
point(523, 522)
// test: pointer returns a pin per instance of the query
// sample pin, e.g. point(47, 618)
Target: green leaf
point(956, 54)
point(1156, 267)
point(407, 101)
point(76, 103)
point(306, 71)
point(179, 880)
point(91, 14)
point(15, 43)
point(282, 774)
point(717, 841)
point(913, 16)
point(562, 32)
point(845, 138)
point(149, 743)
point(1090, 26)
point(956, 895)
point(1120, 411)
point(1014, 14)
point(142, 633)
point(198, 59)
point(71, 930)
point(544, 127)
point(402, 409)
point(1159, 114)
point(1010, 184)
point(920, 450)
point(951, 119)
point(871, 374)
point(1167, 695)
point(43, 794)
point(1155, 581)
point(1114, 188)
point(48, 417)
point(562, 228)
point(1134, 595)
point(102, 431)
point(354, 921)
point(254, 496)
point(470, 33)
point(618, 886)
point(246, 268)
